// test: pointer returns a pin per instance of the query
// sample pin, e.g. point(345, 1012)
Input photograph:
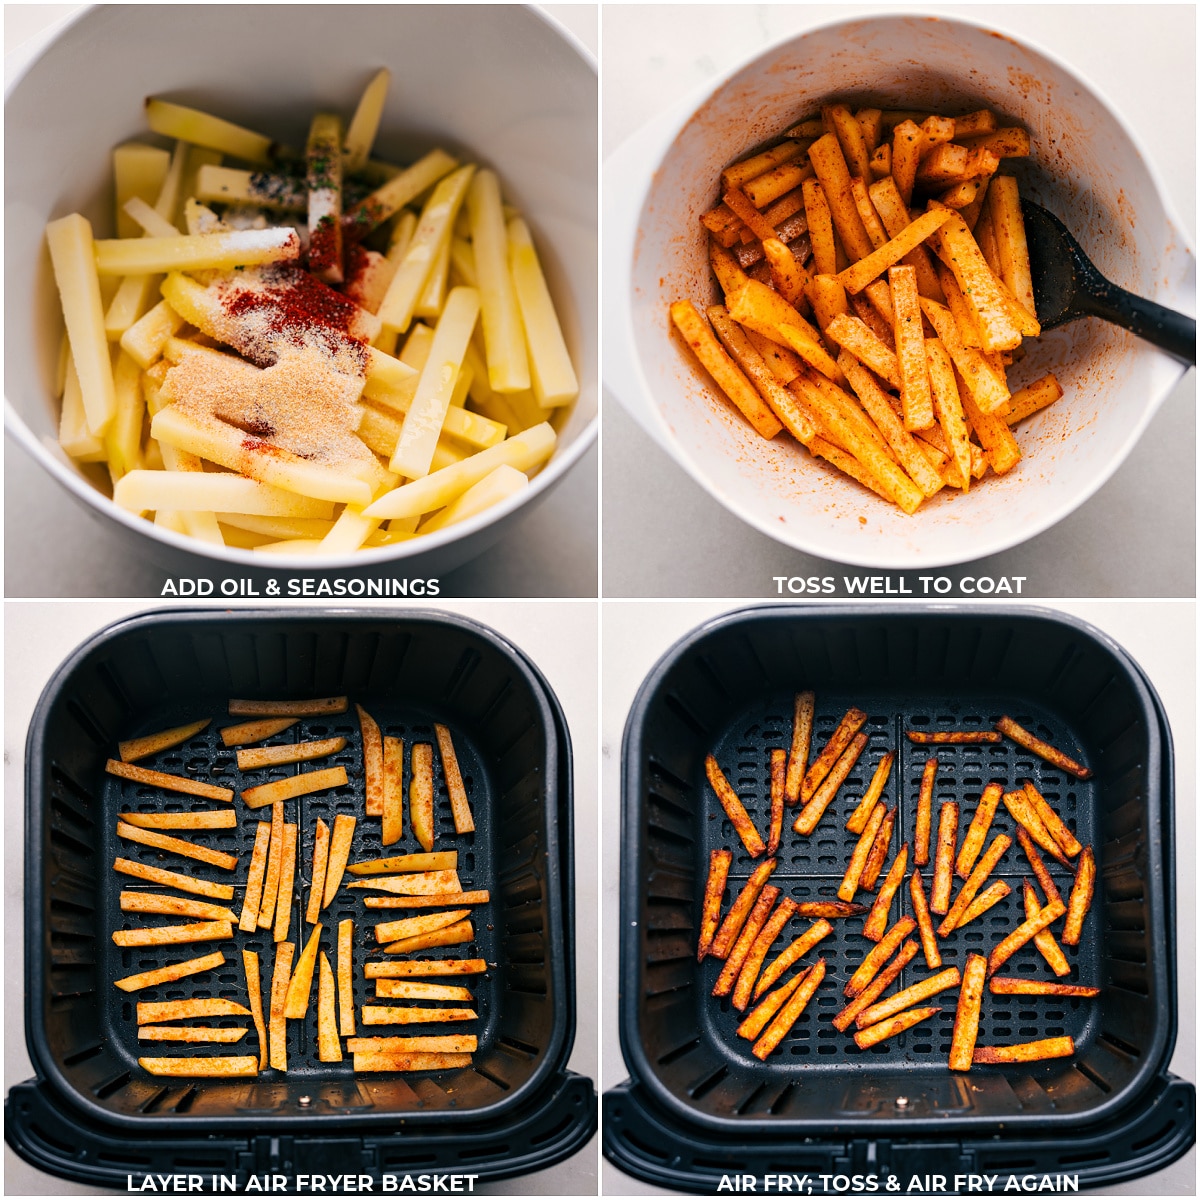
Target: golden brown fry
point(169, 974)
point(1005, 985)
point(254, 990)
point(778, 782)
point(876, 922)
point(810, 815)
point(714, 890)
point(929, 944)
point(277, 1027)
point(329, 1045)
point(170, 783)
point(1040, 871)
point(1044, 941)
point(782, 1024)
point(861, 816)
point(293, 752)
point(287, 878)
point(325, 707)
point(345, 977)
point(931, 986)
point(416, 883)
point(394, 931)
point(1024, 814)
point(879, 850)
point(966, 1015)
point(924, 813)
point(218, 1066)
point(830, 909)
point(758, 952)
point(943, 869)
point(757, 1021)
point(173, 906)
point(833, 749)
point(393, 791)
point(878, 955)
point(1043, 750)
point(883, 1030)
point(303, 784)
point(442, 860)
point(460, 805)
point(1025, 1052)
point(735, 810)
point(817, 931)
point(384, 1014)
point(459, 898)
point(858, 860)
point(270, 891)
point(185, 883)
point(741, 948)
point(255, 731)
point(1023, 934)
point(420, 794)
point(424, 967)
point(736, 917)
point(174, 845)
point(877, 986)
point(191, 1033)
point(1053, 823)
point(372, 752)
point(952, 737)
point(1080, 900)
point(339, 852)
point(449, 935)
point(143, 747)
point(983, 868)
point(295, 1004)
point(316, 886)
point(988, 898)
point(155, 1012)
point(977, 832)
point(410, 1062)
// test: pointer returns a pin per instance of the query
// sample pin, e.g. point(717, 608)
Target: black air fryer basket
point(92, 1114)
point(698, 1105)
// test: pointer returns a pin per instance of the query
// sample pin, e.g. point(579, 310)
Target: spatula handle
point(1163, 327)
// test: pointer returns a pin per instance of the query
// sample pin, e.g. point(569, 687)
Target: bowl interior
point(1086, 168)
point(461, 78)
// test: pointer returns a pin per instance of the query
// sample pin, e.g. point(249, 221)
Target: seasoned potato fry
point(345, 977)
point(382, 1014)
point(877, 920)
point(410, 1062)
point(450, 935)
point(981, 823)
point(426, 967)
point(882, 1030)
point(339, 851)
point(459, 898)
point(303, 784)
point(924, 822)
point(143, 747)
point(190, 1033)
point(171, 783)
point(174, 906)
point(1041, 873)
point(1023, 934)
point(876, 987)
point(462, 1043)
point(277, 1026)
point(393, 791)
point(460, 805)
point(1010, 729)
point(254, 988)
point(1054, 1047)
point(988, 898)
point(327, 706)
point(841, 737)
point(817, 931)
point(414, 883)
point(329, 1045)
point(861, 816)
point(994, 853)
point(1003, 985)
point(879, 849)
point(299, 991)
point(943, 870)
point(757, 1021)
point(749, 934)
point(1024, 814)
point(966, 1015)
point(287, 878)
point(812, 812)
point(736, 917)
point(829, 909)
point(162, 841)
point(878, 955)
point(783, 1021)
point(952, 737)
point(393, 931)
point(1044, 941)
point(942, 981)
point(758, 952)
point(735, 810)
point(929, 943)
point(216, 1067)
point(404, 989)
point(185, 883)
point(169, 974)
point(218, 818)
point(255, 731)
point(154, 1012)
point(372, 752)
point(270, 756)
point(778, 759)
point(1080, 900)
point(316, 887)
point(420, 794)
point(714, 890)
point(443, 860)
point(270, 891)
point(1052, 822)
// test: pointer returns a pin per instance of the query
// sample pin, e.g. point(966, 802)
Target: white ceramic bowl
point(1087, 168)
point(499, 83)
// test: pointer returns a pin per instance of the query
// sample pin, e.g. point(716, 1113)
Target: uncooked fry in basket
point(329, 1045)
point(878, 955)
point(407, 989)
point(155, 1012)
point(459, 898)
point(442, 860)
point(255, 731)
point(287, 879)
point(1044, 750)
point(966, 1015)
point(170, 935)
point(841, 737)
point(420, 794)
point(168, 974)
point(143, 747)
point(372, 752)
point(876, 987)
point(1080, 900)
point(277, 1028)
point(783, 1021)
point(811, 813)
point(797, 763)
point(1054, 824)
point(883, 1030)
point(173, 906)
point(1007, 985)
point(216, 1067)
point(393, 791)
point(1024, 933)
point(460, 805)
point(293, 752)
point(943, 862)
point(299, 993)
point(818, 930)
point(735, 918)
point(393, 931)
point(916, 891)
point(1040, 871)
point(316, 886)
point(254, 988)
point(174, 845)
point(270, 895)
point(448, 1043)
point(1025, 1052)
point(217, 818)
point(757, 1021)
point(1023, 813)
point(952, 737)
point(303, 784)
point(858, 859)
point(326, 707)
point(1049, 949)
point(384, 1014)
point(988, 898)
point(170, 783)
point(924, 822)
point(977, 832)
point(994, 853)
point(339, 852)
point(778, 784)
point(449, 935)
point(830, 909)
point(424, 967)
point(345, 976)
point(248, 922)
point(410, 1062)
point(930, 986)
point(866, 806)
point(758, 952)
point(878, 855)
point(714, 890)
point(876, 923)
point(414, 883)
point(735, 810)
point(191, 1033)
point(185, 883)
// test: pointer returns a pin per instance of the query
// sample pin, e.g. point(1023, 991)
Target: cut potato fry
point(190, 1033)
point(1004, 985)
point(988, 898)
point(416, 883)
point(758, 1020)
point(1010, 729)
point(740, 909)
point(735, 810)
point(215, 1067)
point(778, 773)
point(929, 944)
point(943, 870)
point(752, 965)
point(185, 883)
point(143, 747)
point(797, 763)
point(442, 860)
point(1033, 398)
point(1082, 892)
point(877, 919)
point(861, 816)
point(941, 982)
point(714, 890)
point(296, 752)
point(460, 805)
point(872, 265)
point(1025, 1052)
point(420, 794)
point(880, 984)
point(975, 881)
point(924, 822)
point(1025, 815)
point(1053, 823)
point(150, 491)
point(812, 812)
point(440, 901)
point(220, 818)
point(175, 906)
point(874, 1034)
point(383, 1014)
point(817, 931)
point(329, 1045)
point(254, 988)
point(325, 707)
point(783, 1021)
point(277, 1028)
point(404, 989)
point(424, 967)
point(878, 955)
point(1040, 871)
point(1023, 934)
point(372, 752)
point(462, 1043)
point(287, 879)
point(171, 783)
point(916, 398)
point(450, 935)
point(410, 1062)
point(155, 1012)
point(169, 974)
point(741, 948)
point(833, 749)
point(345, 977)
point(393, 791)
point(952, 737)
point(299, 991)
point(203, 252)
point(173, 845)
point(316, 886)
point(879, 849)
point(981, 824)
point(303, 784)
point(393, 931)
point(966, 1015)
point(1048, 948)
point(339, 851)
point(255, 731)
point(270, 894)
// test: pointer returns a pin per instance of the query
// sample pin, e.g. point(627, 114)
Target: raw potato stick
point(866, 806)
point(877, 987)
point(254, 989)
point(1024, 933)
point(878, 955)
point(925, 813)
point(878, 855)
point(410, 1062)
point(339, 852)
point(1040, 871)
point(735, 810)
point(741, 949)
point(462, 1043)
point(448, 935)
point(143, 747)
point(193, 966)
point(191, 1033)
point(299, 991)
point(988, 898)
point(329, 1045)
point(758, 952)
point(818, 930)
point(778, 786)
point(943, 868)
point(740, 909)
point(966, 1015)
point(185, 883)
point(1080, 900)
point(1047, 946)
point(294, 752)
point(994, 853)
point(953, 737)
point(393, 791)
point(928, 987)
point(460, 805)
point(270, 895)
point(420, 794)
point(287, 878)
point(316, 886)
point(849, 725)
point(277, 1029)
point(1005, 985)
point(858, 859)
point(216, 818)
point(303, 784)
point(757, 1021)
point(1054, 824)
point(427, 901)
point(782, 1024)
point(1055, 1047)
point(929, 944)
point(173, 906)
point(170, 783)
point(393, 931)
point(1044, 750)
point(248, 922)
point(916, 399)
point(214, 1067)
point(170, 935)
point(797, 763)
point(443, 860)
point(154, 1012)
point(812, 812)
point(714, 890)
point(345, 977)
point(383, 1014)
point(406, 989)
point(327, 707)
point(876, 923)
point(417, 883)
point(372, 752)
point(174, 845)
point(977, 832)
point(426, 967)
point(255, 731)
point(883, 1030)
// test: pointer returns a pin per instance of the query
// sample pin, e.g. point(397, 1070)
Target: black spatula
point(1066, 286)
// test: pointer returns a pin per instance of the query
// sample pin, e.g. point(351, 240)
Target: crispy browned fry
point(966, 1015)
point(924, 822)
point(277, 1026)
point(294, 785)
point(931, 986)
point(410, 1062)
point(372, 752)
point(191, 1033)
point(988, 898)
point(878, 955)
point(741, 948)
point(876, 987)
point(861, 816)
point(740, 910)
point(916, 891)
point(1055, 1047)
point(757, 1021)
point(174, 906)
point(143, 747)
point(1054, 824)
point(255, 731)
point(185, 883)
point(316, 886)
point(977, 833)
point(878, 855)
point(170, 783)
point(448, 1043)
point(293, 752)
point(155, 1012)
point(424, 967)
point(450, 935)
point(758, 952)
point(329, 1045)
point(952, 737)
point(339, 851)
point(393, 931)
point(833, 749)
point(830, 909)
point(778, 782)
point(420, 794)
point(810, 815)
point(393, 791)
point(994, 853)
point(174, 845)
point(943, 863)
point(1044, 941)
point(1007, 985)
point(389, 1014)
point(254, 989)
point(876, 922)
point(1080, 900)
point(1040, 871)
point(1024, 814)
point(326, 707)
point(458, 898)
point(441, 860)
point(345, 977)
point(270, 892)
point(883, 1030)
point(415, 883)
point(193, 966)
point(735, 810)
point(217, 1066)
point(818, 930)
point(287, 879)
point(460, 806)
point(299, 992)
point(783, 1021)
point(1044, 750)
point(858, 859)
point(407, 989)
point(1023, 934)
point(1032, 398)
